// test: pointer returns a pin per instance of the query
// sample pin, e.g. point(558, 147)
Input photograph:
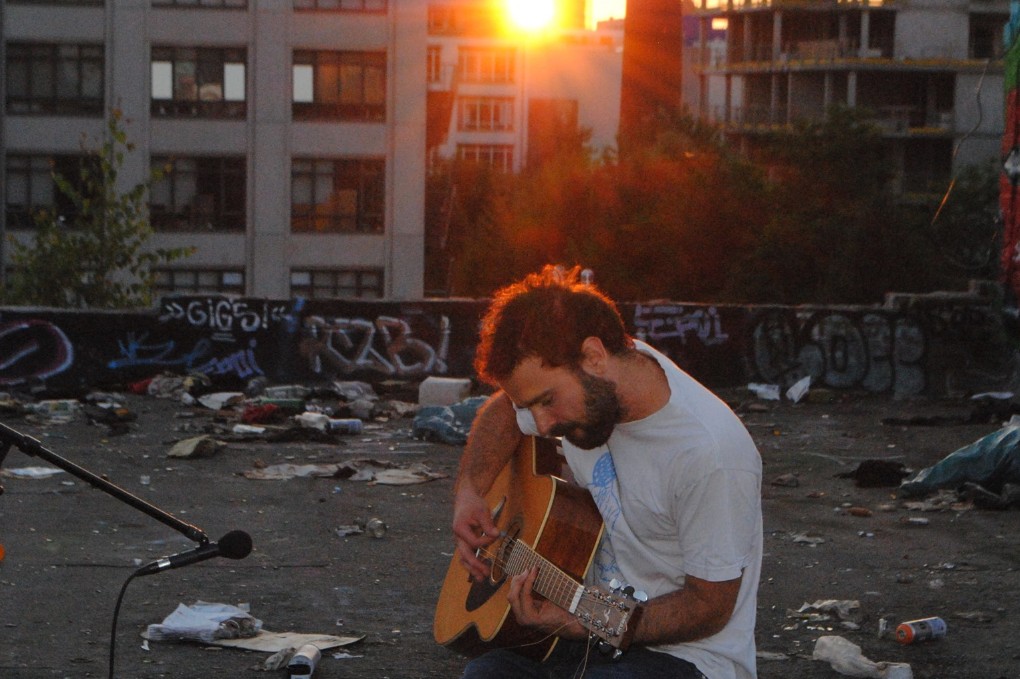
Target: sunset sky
point(606, 9)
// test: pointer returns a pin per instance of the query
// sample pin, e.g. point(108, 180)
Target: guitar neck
point(551, 582)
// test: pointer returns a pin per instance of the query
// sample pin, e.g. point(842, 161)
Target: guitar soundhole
point(502, 549)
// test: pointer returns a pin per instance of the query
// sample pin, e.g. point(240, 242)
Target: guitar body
point(557, 519)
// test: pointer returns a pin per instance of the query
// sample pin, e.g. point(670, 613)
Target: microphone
point(234, 545)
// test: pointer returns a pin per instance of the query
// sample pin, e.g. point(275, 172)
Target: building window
point(331, 283)
point(497, 156)
point(31, 187)
point(339, 86)
point(434, 64)
point(479, 19)
point(485, 114)
point(169, 281)
point(486, 64)
point(55, 79)
point(198, 82)
point(341, 5)
point(202, 4)
point(75, 3)
point(198, 194)
point(986, 35)
point(337, 196)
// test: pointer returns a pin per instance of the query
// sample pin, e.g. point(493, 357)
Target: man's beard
point(601, 414)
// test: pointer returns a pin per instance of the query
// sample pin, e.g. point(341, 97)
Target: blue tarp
point(449, 424)
point(991, 461)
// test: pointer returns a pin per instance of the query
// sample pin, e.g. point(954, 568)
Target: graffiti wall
point(928, 346)
point(1009, 179)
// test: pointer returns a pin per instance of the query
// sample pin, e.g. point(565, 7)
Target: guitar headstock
point(610, 614)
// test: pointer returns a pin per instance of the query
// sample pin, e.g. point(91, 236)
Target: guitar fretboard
point(551, 582)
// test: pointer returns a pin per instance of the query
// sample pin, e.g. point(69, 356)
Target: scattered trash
point(204, 621)
point(199, 446)
point(313, 420)
point(990, 462)
point(266, 413)
point(786, 480)
point(796, 392)
point(355, 391)
point(345, 425)
point(766, 392)
point(876, 474)
point(843, 610)
point(53, 412)
point(863, 512)
point(274, 642)
point(30, 472)
point(221, 399)
point(375, 527)
point(923, 629)
point(941, 501)
point(846, 658)
point(443, 391)
point(302, 663)
point(373, 471)
point(448, 424)
point(807, 539)
point(914, 521)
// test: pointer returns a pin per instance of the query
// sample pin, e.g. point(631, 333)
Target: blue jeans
point(575, 659)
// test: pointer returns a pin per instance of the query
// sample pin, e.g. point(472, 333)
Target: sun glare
point(531, 15)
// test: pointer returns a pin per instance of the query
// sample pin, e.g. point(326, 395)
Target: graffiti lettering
point(874, 351)
point(386, 345)
point(222, 314)
point(32, 350)
point(135, 352)
point(664, 321)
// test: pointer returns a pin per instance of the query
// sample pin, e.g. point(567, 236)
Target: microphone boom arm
point(31, 446)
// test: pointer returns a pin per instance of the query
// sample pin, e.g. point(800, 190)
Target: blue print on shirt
point(605, 490)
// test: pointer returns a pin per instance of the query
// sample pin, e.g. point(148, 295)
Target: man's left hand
point(532, 610)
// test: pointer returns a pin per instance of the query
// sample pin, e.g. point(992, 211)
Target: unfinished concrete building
point(929, 71)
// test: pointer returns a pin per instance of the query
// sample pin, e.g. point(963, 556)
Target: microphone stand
point(30, 446)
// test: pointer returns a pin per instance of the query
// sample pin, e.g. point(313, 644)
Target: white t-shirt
point(680, 493)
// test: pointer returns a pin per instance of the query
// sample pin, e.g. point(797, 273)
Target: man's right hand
point(473, 529)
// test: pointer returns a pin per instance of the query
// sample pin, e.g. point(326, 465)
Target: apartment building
point(292, 130)
point(498, 94)
point(930, 71)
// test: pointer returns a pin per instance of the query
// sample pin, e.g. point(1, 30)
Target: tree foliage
point(808, 216)
point(96, 257)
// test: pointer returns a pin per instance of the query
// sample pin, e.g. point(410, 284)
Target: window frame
point(204, 63)
point(37, 166)
point(497, 156)
point(182, 213)
point(487, 65)
point(365, 176)
point(485, 114)
point(40, 71)
point(342, 6)
point(335, 288)
point(161, 289)
point(357, 67)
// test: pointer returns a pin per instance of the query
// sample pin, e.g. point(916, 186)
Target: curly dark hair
point(548, 314)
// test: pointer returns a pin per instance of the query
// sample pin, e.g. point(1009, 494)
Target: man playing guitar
point(672, 470)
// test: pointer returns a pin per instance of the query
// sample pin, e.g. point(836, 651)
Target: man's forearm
point(699, 610)
point(492, 441)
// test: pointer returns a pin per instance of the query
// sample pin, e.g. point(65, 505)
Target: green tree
point(97, 258)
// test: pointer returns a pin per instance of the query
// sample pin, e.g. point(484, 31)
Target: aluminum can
point(912, 631)
point(349, 425)
point(376, 527)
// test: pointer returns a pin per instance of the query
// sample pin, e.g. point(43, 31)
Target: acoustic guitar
point(547, 522)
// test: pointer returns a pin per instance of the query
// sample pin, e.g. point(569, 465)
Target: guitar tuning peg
point(615, 584)
point(641, 596)
point(628, 590)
